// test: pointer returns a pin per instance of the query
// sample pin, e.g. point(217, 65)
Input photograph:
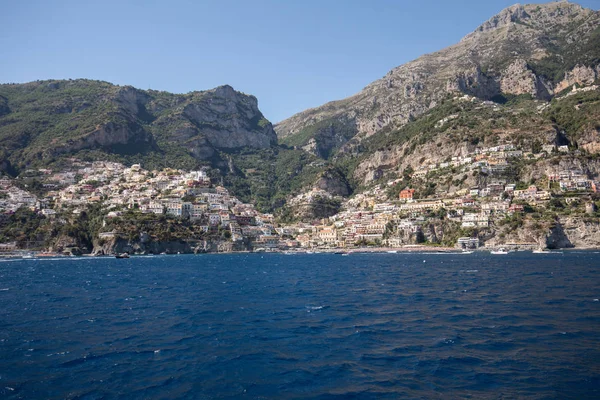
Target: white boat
point(392, 251)
point(499, 251)
point(540, 251)
point(467, 252)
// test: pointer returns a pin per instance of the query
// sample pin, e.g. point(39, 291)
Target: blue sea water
point(320, 326)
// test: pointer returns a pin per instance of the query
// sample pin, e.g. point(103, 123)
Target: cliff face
point(333, 183)
point(110, 136)
point(580, 233)
point(229, 119)
point(118, 246)
point(536, 50)
point(564, 233)
point(43, 120)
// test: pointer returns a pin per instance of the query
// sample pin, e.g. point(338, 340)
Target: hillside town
point(370, 218)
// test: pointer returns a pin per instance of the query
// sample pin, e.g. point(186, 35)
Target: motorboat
point(540, 251)
point(501, 250)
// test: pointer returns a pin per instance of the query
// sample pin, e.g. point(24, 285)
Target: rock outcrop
point(110, 136)
point(333, 183)
point(229, 119)
point(141, 246)
point(577, 232)
point(580, 75)
point(519, 79)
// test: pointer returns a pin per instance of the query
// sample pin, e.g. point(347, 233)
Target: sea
point(302, 326)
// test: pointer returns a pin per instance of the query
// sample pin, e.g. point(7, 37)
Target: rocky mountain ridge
point(43, 120)
point(520, 51)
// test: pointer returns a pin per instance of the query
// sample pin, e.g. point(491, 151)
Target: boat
point(392, 251)
point(50, 254)
point(467, 252)
point(501, 250)
point(540, 251)
point(122, 255)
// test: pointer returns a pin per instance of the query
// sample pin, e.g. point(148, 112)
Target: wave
point(315, 308)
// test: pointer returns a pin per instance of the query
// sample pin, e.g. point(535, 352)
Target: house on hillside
point(407, 194)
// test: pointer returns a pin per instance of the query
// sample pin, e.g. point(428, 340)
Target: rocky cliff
point(150, 246)
point(563, 233)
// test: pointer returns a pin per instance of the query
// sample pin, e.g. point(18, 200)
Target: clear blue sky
point(291, 54)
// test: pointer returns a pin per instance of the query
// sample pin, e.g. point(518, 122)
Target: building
point(420, 173)
point(422, 206)
point(327, 235)
point(48, 212)
point(5, 247)
point(548, 148)
point(514, 208)
point(245, 220)
point(214, 219)
point(470, 220)
point(497, 206)
point(197, 210)
point(407, 194)
point(174, 208)
point(468, 243)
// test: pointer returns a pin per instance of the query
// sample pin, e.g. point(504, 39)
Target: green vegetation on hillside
point(574, 114)
point(323, 131)
point(565, 56)
point(266, 177)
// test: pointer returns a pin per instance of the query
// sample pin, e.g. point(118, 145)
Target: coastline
point(339, 251)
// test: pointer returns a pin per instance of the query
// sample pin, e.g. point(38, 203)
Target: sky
point(291, 54)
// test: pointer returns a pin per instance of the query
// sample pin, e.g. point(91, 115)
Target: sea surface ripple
point(314, 326)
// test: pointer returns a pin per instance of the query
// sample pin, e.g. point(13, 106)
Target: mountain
point(45, 122)
point(42, 121)
point(528, 77)
point(525, 50)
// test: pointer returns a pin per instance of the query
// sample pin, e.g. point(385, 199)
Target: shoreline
point(338, 251)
